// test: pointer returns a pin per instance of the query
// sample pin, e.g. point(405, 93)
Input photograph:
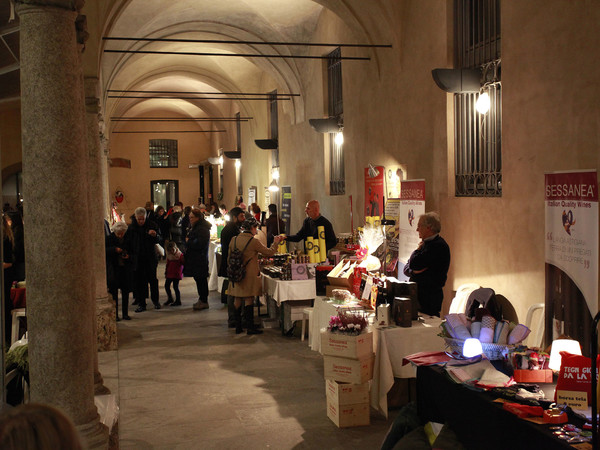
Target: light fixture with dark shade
point(457, 81)
point(233, 155)
point(267, 144)
point(329, 125)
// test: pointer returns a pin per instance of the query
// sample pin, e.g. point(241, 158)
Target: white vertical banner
point(412, 205)
point(572, 229)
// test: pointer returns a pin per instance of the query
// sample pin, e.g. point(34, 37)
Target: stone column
point(60, 303)
point(105, 323)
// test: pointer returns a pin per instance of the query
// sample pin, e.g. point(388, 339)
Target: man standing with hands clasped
point(428, 264)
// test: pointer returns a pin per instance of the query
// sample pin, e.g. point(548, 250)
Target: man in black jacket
point(428, 264)
point(143, 237)
point(232, 229)
point(310, 226)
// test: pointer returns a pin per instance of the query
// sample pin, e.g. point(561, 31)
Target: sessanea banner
point(412, 205)
point(572, 229)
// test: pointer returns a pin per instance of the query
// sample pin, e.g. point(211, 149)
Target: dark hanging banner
point(286, 206)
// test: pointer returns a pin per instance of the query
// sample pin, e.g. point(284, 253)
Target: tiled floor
point(183, 380)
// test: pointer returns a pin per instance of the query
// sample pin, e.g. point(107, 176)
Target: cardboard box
point(349, 415)
point(346, 393)
point(345, 282)
point(356, 371)
point(347, 346)
point(533, 376)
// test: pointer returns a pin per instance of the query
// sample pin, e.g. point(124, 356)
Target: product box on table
point(347, 346)
point(346, 393)
point(533, 376)
point(356, 371)
point(343, 274)
point(344, 416)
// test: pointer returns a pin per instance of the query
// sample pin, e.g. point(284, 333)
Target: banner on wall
point(572, 229)
point(286, 206)
point(374, 193)
point(392, 212)
point(412, 205)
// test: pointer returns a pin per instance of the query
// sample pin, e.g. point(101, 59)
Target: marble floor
point(183, 380)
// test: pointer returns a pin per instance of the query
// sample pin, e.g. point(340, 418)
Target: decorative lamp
point(483, 103)
point(472, 347)
point(273, 187)
point(562, 345)
point(339, 138)
point(238, 163)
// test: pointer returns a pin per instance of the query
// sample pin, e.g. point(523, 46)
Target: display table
point(478, 421)
point(283, 295)
point(391, 345)
point(213, 269)
point(322, 311)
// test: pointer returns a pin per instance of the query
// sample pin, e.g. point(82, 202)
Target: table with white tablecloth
point(391, 345)
point(292, 296)
point(213, 269)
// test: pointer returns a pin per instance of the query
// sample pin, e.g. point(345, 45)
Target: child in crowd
point(173, 273)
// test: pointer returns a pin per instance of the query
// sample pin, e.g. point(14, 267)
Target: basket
point(492, 351)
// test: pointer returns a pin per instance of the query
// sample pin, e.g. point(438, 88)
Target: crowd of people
point(181, 236)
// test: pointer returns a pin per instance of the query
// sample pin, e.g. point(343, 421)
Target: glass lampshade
point(562, 345)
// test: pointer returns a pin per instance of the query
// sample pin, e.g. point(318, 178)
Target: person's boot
point(238, 320)
point(249, 313)
point(200, 305)
point(230, 312)
point(169, 301)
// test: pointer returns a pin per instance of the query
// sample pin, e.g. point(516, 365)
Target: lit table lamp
point(471, 348)
point(562, 345)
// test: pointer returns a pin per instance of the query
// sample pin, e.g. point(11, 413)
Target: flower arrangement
point(346, 323)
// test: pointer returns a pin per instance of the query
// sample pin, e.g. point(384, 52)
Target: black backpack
point(236, 269)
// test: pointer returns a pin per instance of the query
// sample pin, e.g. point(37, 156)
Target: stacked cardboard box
point(348, 364)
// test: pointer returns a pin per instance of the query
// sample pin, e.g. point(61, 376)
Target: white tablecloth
point(213, 270)
point(283, 291)
point(391, 345)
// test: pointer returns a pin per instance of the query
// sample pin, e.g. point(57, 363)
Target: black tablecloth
point(478, 421)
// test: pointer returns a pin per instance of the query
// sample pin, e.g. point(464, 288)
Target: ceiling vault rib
point(217, 41)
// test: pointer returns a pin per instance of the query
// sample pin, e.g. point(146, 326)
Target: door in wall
point(164, 193)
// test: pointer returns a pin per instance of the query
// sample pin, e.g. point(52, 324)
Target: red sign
point(374, 192)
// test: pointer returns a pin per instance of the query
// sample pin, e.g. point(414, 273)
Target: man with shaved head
point(310, 226)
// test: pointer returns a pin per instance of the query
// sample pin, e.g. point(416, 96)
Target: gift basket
point(497, 337)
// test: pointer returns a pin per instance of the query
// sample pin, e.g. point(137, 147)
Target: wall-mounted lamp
point(482, 105)
point(267, 144)
point(329, 125)
point(238, 163)
point(339, 137)
point(275, 171)
point(273, 187)
point(233, 155)
point(457, 81)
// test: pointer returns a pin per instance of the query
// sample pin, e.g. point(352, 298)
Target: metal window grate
point(478, 137)
point(337, 177)
point(163, 152)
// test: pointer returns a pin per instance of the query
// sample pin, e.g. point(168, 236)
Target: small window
point(163, 153)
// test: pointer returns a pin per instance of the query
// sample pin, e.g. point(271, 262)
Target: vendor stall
point(323, 309)
point(213, 267)
point(287, 299)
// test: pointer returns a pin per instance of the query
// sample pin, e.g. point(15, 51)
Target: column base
point(106, 324)
point(94, 434)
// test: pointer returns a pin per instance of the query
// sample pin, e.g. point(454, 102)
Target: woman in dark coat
point(196, 256)
point(118, 267)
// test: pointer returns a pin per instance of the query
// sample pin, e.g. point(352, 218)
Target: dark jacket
point(310, 227)
point(176, 230)
point(272, 228)
point(230, 230)
point(434, 256)
point(118, 269)
point(196, 253)
point(142, 244)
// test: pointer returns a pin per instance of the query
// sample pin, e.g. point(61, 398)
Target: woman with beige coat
point(244, 291)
